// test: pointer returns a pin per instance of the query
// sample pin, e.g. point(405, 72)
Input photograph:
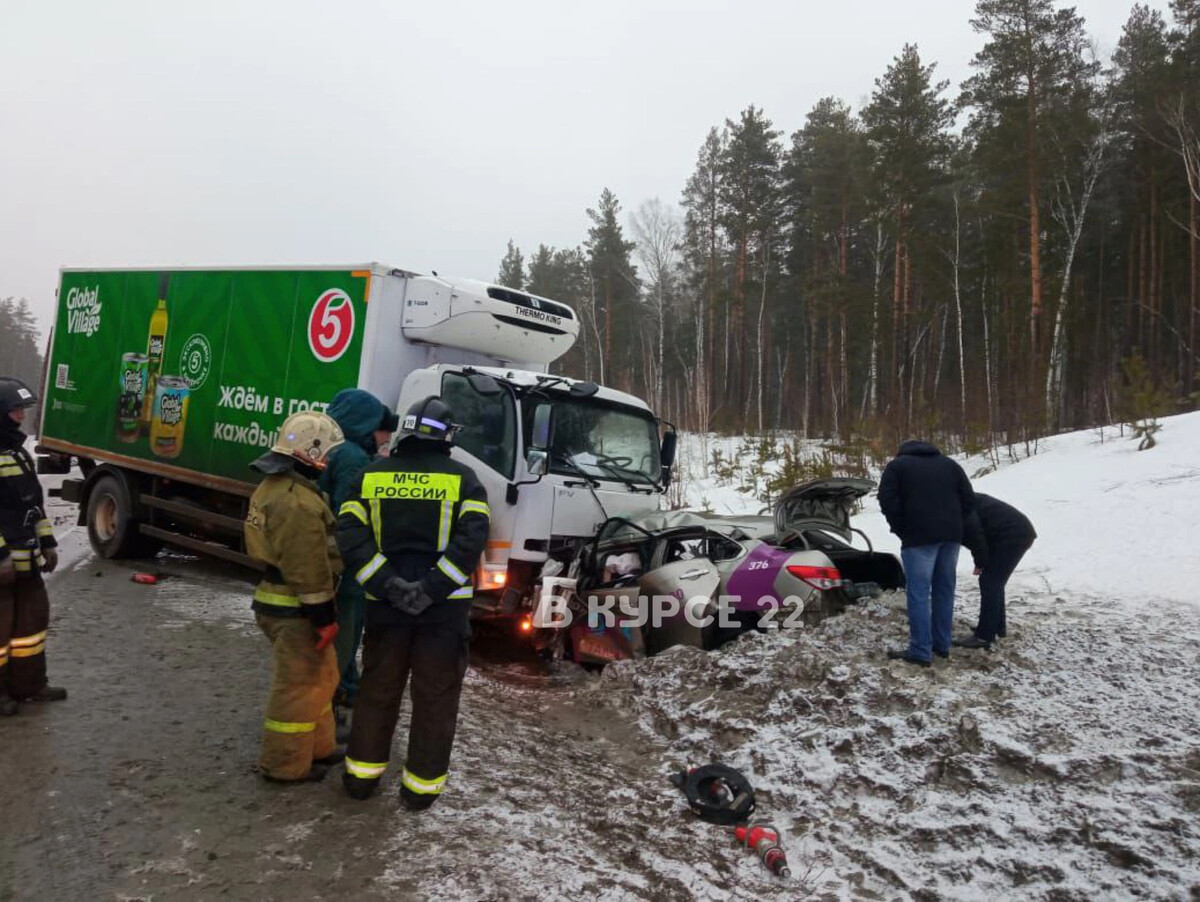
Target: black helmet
point(429, 419)
point(14, 393)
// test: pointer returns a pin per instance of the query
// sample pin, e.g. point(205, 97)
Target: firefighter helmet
point(14, 393)
point(429, 419)
point(308, 436)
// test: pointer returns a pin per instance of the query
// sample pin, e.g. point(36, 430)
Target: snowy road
point(1064, 766)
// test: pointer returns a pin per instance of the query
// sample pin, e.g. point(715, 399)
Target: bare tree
point(1069, 209)
point(1185, 125)
point(956, 262)
point(871, 395)
point(657, 228)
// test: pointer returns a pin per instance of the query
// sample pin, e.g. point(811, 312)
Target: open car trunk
point(867, 569)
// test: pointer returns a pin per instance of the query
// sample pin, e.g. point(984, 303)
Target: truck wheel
point(112, 530)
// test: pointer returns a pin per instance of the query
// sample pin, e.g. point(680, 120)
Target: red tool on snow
point(722, 795)
point(146, 579)
point(764, 840)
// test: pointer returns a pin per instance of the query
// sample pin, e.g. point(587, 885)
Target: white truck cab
point(558, 456)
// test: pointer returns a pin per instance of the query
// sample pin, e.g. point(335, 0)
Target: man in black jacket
point(925, 497)
point(412, 534)
point(998, 536)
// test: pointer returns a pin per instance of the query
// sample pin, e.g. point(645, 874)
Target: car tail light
point(817, 577)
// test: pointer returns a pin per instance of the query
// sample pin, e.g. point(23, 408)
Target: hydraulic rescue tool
point(764, 840)
point(721, 795)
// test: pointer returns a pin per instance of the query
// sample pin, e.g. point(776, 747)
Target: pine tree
point(825, 179)
point(615, 288)
point(1032, 62)
point(749, 209)
point(512, 268)
point(20, 353)
point(907, 124)
point(703, 249)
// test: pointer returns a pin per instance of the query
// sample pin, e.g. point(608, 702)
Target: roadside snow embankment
point(1063, 765)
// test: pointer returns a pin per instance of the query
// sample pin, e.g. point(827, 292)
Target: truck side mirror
point(543, 428)
point(485, 384)
point(538, 462)
point(537, 457)
point(667, 455)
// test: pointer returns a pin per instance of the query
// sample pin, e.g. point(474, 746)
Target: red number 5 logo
point(331, 325)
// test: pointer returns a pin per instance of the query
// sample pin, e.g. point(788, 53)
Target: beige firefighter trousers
point(298, 726)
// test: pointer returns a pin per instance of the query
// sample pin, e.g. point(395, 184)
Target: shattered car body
point(798, 563)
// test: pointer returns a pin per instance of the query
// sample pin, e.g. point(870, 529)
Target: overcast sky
point(423, 135)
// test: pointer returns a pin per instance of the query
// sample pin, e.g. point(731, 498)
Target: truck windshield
point(489, 423)
point(605, 441)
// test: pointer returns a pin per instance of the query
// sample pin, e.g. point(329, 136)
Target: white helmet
point(308, 436)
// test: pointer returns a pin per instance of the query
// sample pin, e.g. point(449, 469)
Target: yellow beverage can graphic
point(170, 416)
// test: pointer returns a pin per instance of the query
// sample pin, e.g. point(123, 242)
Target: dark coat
point(925, 496)
point(993, 524)
point(419, 515)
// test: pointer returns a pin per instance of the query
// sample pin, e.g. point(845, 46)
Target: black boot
point(416, 801)
point(47, 694)
point(971, 640)
point(8, 707)
point(901, 654)
point(357, 787)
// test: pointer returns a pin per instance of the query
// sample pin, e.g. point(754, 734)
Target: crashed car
point(797, 564)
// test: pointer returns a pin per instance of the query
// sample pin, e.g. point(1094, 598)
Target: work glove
point(326, 635)
point(7, 574)
point(406, 596)
point(49, 560)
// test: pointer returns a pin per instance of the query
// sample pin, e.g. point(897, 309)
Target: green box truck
point(164, 384)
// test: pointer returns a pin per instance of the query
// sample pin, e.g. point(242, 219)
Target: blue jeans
point(929, 571)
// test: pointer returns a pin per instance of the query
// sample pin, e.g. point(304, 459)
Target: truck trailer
point(164, 384)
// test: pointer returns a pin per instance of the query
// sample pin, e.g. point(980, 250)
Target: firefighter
point(289, 528)
point(413, 536)
point(27, 550)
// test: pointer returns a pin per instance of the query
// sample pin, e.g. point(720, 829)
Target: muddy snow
point(1063, 765)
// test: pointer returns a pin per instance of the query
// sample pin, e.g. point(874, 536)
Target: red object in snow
point(146, 579)
point(764, 840)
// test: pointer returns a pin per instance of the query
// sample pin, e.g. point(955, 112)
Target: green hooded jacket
point(359, 414)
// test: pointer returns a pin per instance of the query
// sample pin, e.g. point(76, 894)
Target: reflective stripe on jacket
point(23, 521)
point(289, 527)
point(419, 515)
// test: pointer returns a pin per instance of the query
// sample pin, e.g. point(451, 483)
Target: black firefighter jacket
point(24, 528)
point(925, 496)
point(419, 515)
point(995, 524)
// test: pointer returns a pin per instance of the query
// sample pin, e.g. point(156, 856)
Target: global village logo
point(331, 325)
point(83, 310)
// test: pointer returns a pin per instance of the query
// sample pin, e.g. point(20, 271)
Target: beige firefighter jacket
point(289, 527)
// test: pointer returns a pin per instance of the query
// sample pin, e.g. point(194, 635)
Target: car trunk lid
point(820, 504)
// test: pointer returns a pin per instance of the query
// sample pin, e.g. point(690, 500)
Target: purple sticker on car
point(754, 578)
